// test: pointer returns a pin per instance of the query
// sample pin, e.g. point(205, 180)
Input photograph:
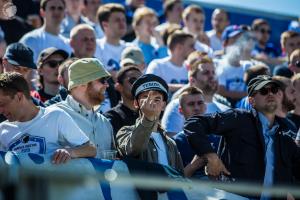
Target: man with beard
point(287, 100)
point(258, 146)
point(201, 75)
point(87, 85)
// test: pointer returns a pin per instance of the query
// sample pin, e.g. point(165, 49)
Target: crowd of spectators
point(81, 77)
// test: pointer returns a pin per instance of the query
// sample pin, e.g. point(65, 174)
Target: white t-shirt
point(168, 71)
point(161, 148)
point(50, 129)
point(231, 78)
point(215, 42)
point(39, 39)
point(199, 46)
point(110, 55)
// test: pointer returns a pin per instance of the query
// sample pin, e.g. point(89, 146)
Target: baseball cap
point(19, 54)
point(132, 55)
point(259, 82)
point(46, 53)
point(231, 31)
point(149, 82)
point(85, 70)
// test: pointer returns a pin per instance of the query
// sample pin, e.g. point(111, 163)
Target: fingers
point(61, 156)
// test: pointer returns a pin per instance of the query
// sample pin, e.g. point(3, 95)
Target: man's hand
point(152, 106)
point(61, 156)
point(215, 166)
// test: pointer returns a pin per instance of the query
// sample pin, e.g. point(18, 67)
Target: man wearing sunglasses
point(263, 47)
point(48, 63)
point(259, 144)
point(87, 85)
point(124, 114)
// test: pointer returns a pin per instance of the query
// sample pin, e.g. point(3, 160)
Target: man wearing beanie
point(259, 144)
point(146, 140)
point(87, 85)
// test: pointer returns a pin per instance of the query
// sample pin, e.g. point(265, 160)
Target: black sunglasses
point(264, 91)
point(263, 31)
point(132, 80)
point(53, 63)
point(104, 80)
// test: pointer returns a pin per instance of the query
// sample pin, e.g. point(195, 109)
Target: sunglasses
point(265, 91)
point(297, 64)
point(263, 31)
point(132, 80)
point(104, 80)
point(53, 63)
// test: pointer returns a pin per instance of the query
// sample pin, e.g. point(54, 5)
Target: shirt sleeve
point(69, 133)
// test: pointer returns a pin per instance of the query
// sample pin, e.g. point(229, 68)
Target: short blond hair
point(287, 35)
point(188, 10)
point(140, 13)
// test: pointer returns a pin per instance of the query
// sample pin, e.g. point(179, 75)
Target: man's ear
point(19, 96)
point(42, 12)
point(180, 110)
point(251, 101)
point(60, 80)
point(119, 87)
point(135, 104)
point(104, 24)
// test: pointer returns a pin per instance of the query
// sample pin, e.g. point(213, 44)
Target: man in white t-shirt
point(48, 35)
point(219, 21)
point(87, 85)
point(171, 69)
point(112, 20)
point(193, 20)
point(32, 129)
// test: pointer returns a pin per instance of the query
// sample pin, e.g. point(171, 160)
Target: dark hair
point(171, 28)
point(254, 71)
point(121, 75)
point(258, 23)
point(178, 37)
point(169, 5)
point(43, 3)
point(13, 82)
point(106, 10)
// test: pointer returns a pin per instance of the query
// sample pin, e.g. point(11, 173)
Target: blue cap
point(294, 26)
point(231, 31)
point(19, 54)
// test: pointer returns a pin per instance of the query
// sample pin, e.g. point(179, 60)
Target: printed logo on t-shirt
point(28, 144)
point(235, 84)
point(113, 65)
point(182, 81)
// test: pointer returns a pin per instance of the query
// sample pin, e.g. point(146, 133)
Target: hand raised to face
point(151, 104)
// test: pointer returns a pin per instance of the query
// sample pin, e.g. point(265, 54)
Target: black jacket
point(244, 144)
